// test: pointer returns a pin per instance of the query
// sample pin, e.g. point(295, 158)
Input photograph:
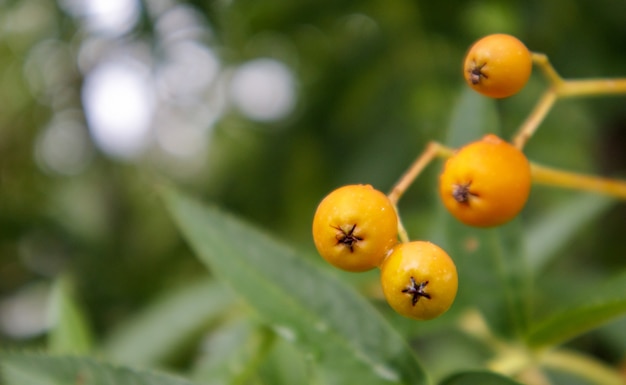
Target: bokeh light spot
point(110, 17)
point(119, 104)
point(263, 90)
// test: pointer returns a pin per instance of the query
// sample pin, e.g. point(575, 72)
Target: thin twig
point(535, 118)
point(592, 87)
point(433, 150)
point(566, 179)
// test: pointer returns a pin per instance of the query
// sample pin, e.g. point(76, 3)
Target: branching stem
point(562, 88)
point(535, 118)
point(432, 151)
point(558, 88)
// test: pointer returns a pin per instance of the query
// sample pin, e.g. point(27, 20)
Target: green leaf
point(336, 326)
point(70, 331)
point(286, 365)
point(159, 331)
point(603, 304)
point(35, 369)
point(478, 378)
point(232, 353)
point(558, 225)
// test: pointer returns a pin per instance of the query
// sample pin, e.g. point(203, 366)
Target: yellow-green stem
point(433, 150)
point(535, 118)
point(592, 87)
point(561, 88)
point(533, 375)
point(510, 359)
point(566, 179)
point(542, 61)
point(402, 233)
point(583, 366)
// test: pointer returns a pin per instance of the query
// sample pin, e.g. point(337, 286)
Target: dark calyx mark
point(476, 73)
point(417, 291)
point(347, 237)
point(462, 193)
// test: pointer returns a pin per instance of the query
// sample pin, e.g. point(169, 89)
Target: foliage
point(200, 269)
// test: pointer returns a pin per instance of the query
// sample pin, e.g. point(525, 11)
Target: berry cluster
point(485, 183)
point(355, 228)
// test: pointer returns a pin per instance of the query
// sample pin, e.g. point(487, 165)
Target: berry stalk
point(592, 87)
point(535, 118)
point(566, 179)
point(432, 151)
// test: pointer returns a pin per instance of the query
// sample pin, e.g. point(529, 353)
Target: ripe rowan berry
point(355, 227)
point(486, 183)
point(419, 280)
point(497, 65)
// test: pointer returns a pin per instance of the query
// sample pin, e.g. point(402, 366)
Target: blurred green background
point(262, 107)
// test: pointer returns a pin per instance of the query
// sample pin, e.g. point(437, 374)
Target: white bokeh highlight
point(190, 68)
point(24, 314)
point(119, 104)
point(263, 90)
point(109, 17)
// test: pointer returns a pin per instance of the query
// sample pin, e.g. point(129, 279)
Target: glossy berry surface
point(486, 183)
point(355, 227)
point(497, 66)
point(419, 280)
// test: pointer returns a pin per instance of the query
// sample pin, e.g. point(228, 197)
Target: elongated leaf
point(560, 224)
point(286, 365)
point(337, 327)
point(601, 306)
point(478, 378)
point(34, 369)
point(160, 330)
point(232, 354)
point(70, 331)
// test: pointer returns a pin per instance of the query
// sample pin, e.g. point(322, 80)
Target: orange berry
point(486, 183)
point(419, 280)
point(355, 227)
point(497, 65)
